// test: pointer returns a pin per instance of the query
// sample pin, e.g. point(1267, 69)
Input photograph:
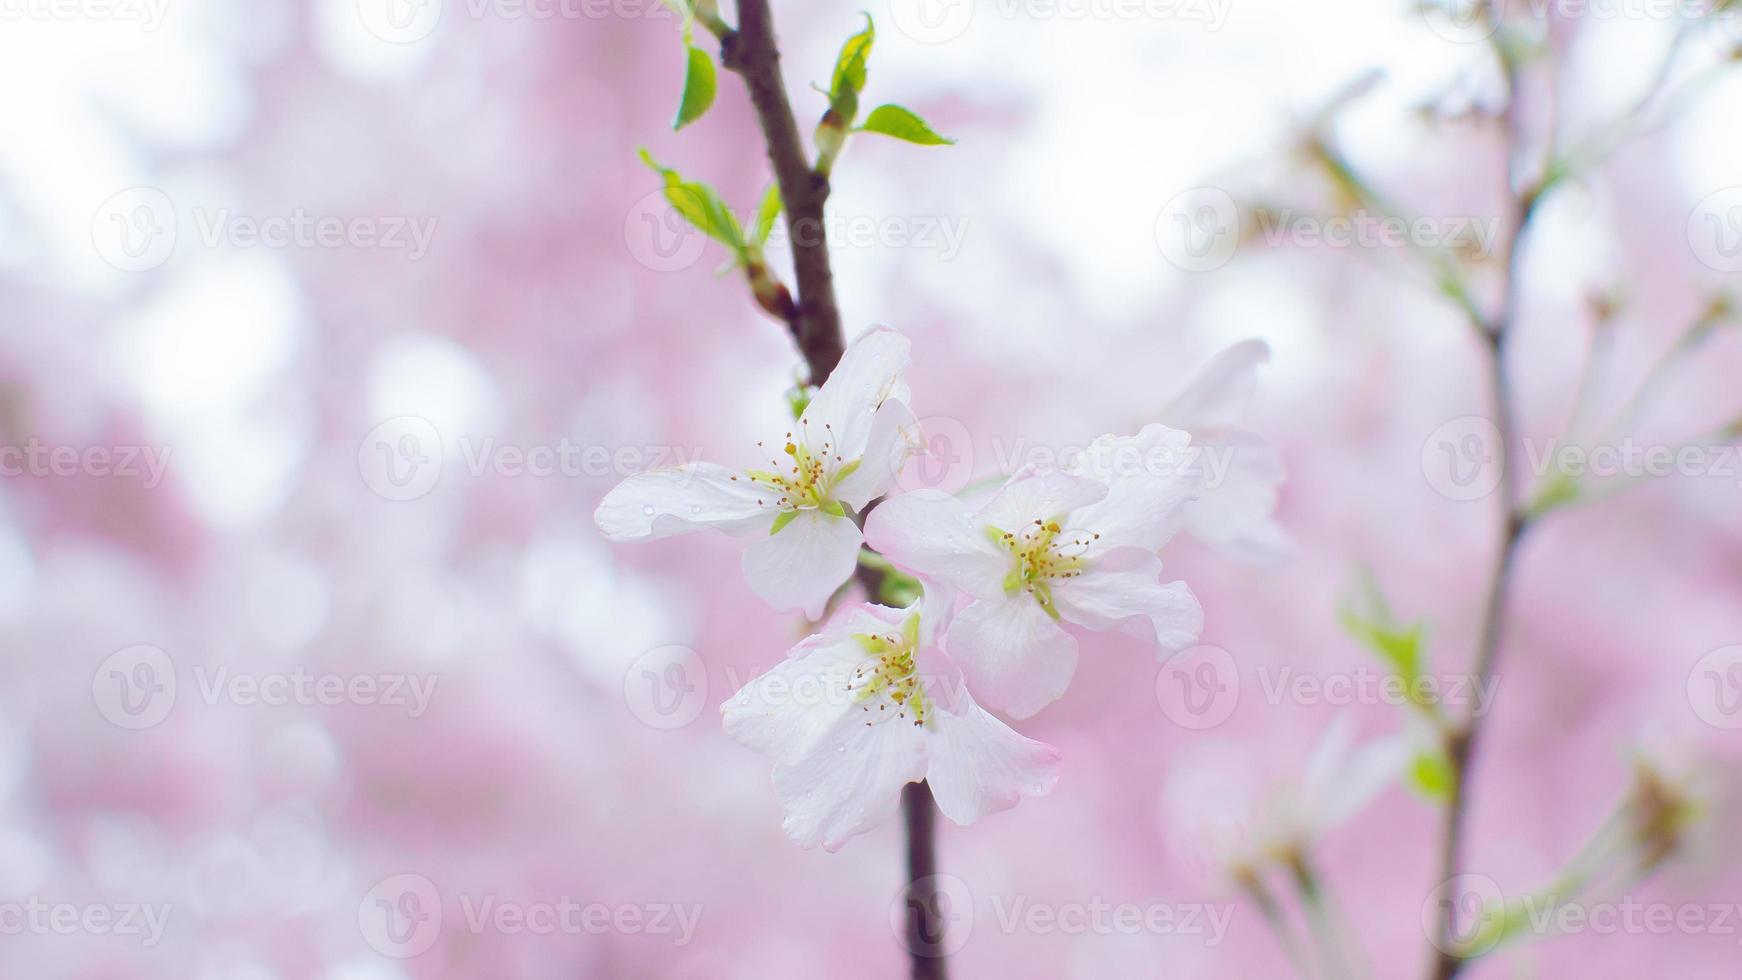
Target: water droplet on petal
point(648, 510)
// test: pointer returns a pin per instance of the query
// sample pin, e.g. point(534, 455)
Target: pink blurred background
point(295, 532)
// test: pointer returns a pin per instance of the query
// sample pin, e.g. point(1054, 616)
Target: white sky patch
point(604, 616)
point(25, 861)
point(434, 379)
point(17, 578)
point(222, 330)
point(213, 336)
point(342, 36)
point(287, 600)
point(362, 969)
point(1572, 249)
point(95, 87)
point(239, 468)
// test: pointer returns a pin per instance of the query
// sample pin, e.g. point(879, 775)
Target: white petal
point(789, 711)
point(1150, 479)
point(1219, 391)
point(1329, 752)
point(978, 765)
point(936, 608)
point(868, 375)
point(1035, 494)
point(667, 502)
point(802, 564)
point(1015, 657)
point(894, 437)
point(1236, 512)
point(931, 534)
point(851, 783)
point(1367, 771)
point(1121, 590)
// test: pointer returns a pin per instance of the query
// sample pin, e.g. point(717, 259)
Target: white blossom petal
point(894, 437)
point(1236, 512)
point(851, 783)
point(1219, 391)
point(1361, 774)
point(1150, 478)
point(868, 375)
point(979, 765)
point(789, 711)
point(1013, 654)
point(1035, 494)
point(668, 502)
point(931, 534)
point(1121, 590)
point(802, 564)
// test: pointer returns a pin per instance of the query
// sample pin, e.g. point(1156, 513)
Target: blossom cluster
point(885, 696)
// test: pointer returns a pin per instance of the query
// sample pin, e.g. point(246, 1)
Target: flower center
point(887, 685)
point(1041, 553)
point(804, 479)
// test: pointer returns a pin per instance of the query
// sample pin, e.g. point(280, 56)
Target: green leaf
point(698, 88)
point(850, 65)
point(1368, 618)
point(899, 590)
point(766, 215)
point(786, 517)
point(700, 206)
point(1430, 774)
point(903, 124)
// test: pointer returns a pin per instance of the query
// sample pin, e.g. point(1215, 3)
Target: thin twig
point(1462, 742)
point(751, 52)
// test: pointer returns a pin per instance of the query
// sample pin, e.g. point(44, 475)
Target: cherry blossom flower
point(1219, 806)
point(844, 451)
point(1053, 547)
point(1236, 512)
point(849, 719)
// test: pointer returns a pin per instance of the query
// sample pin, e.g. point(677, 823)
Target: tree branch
point(1462, 741)
point(815, 323)
point(750, 51)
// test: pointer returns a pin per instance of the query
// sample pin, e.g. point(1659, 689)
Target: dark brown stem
point(926, 924)
point(816, 324)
